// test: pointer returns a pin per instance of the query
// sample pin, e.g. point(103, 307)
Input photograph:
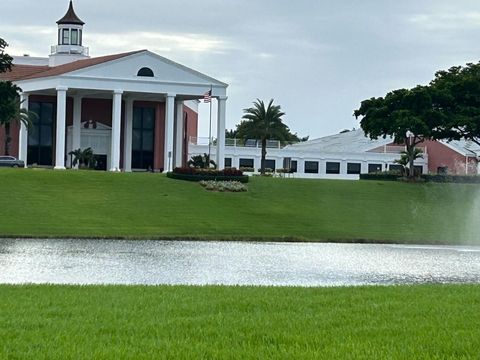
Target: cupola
point(70, 39)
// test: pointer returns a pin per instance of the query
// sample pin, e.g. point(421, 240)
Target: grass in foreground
point(112, 322)
point(143, 205)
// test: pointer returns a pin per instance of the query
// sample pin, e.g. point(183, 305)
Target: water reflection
point(187, 262)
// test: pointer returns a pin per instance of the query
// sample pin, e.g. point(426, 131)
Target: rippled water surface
point(186, 262)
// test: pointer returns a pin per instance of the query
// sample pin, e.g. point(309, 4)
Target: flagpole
point(210, 129)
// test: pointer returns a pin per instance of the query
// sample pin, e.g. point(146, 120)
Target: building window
point(74, 37)
point(66, 37)
point(246, 163)
point(40, 136)
point(418, 170)
point(332, 168)
point(374, 168)
point(228, 162)
point(143, 137)
point(293, 166)
point(354, 168)
point(147, 72)
point(442, 170)
point(80, 37)
point(396, 168)
point(59, 36)
point(270, 164)
point(311, 167)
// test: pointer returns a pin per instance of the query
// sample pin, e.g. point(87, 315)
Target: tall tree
point(10, 111)
point(263, 123)
point(5, 59)
point(456, 94)
point(406, 115)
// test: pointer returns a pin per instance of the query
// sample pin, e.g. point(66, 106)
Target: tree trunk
point(411, 159)
point(264, 155)
point(8, 139)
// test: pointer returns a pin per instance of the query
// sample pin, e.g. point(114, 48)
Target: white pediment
point(164, 70)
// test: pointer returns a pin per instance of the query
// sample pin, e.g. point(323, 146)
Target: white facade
point(337, 152)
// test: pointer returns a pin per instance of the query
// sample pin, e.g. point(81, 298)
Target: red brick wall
point(14, 131)
point(440, 155)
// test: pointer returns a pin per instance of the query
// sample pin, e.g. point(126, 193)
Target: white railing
point(396, 149)
point(69, 49)
point(249, 143)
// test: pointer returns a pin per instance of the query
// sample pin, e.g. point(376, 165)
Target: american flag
point(207, 97)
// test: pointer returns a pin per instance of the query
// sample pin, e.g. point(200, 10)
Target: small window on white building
point(354, 168)
point(311, 167)
point(145, 71)
point(374, 168)
point(332, 168)
point(228, 162)
point(270, 164)
point(246, 163)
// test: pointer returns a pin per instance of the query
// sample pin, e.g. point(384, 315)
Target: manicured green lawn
point(144, 205)
point(118, 322)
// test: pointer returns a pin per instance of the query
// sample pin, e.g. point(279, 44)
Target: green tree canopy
point(5, 59)
point(263, 123)
point(456, 94)
point(406, 115)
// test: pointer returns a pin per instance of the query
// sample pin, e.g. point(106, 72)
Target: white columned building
point(130, 108)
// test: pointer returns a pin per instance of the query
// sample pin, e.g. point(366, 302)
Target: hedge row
point(464, 179)
point(207, 177)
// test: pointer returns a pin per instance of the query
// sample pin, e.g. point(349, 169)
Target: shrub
point(222, 186)
point(247, 169)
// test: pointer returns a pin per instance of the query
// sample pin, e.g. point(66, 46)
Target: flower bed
point(197, 174)
point(222, 186)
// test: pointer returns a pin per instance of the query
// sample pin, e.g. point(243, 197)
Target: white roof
point(464, 147)
point(348, 142)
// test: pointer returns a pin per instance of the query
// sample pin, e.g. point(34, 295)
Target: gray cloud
point(318, 59)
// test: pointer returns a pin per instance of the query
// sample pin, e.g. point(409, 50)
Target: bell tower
point(69, 46)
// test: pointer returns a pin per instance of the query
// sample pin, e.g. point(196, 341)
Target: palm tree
point(263, 123)
point(10, 111)
point(407, 158)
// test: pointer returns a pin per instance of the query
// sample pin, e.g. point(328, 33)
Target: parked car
point(10, 161)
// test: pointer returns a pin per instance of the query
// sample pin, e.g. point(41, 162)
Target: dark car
point(10, 161)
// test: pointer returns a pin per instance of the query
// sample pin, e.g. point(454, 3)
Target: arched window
point(145, 72)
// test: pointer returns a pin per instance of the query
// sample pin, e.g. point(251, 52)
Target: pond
point(233, 263)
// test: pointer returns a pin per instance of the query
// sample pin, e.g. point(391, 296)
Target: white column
point(77, 121)
point(116, 124)
point(128, 130)
point(178, 155)
point(61, 120)
point(222, 104)
point(169, 119)
point(23, 135)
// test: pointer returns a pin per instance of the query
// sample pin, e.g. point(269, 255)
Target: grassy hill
point(143, 205)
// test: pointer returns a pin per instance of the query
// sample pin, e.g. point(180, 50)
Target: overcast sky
point(317, 59)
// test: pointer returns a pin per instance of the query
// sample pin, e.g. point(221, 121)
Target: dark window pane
point(66, 35)
point(46, 116)
point(46, 135)
point(35, 107)
point(74, 37)
point(136, 139)
point(145, 72)
point(228, 162)
point(332, 168)
point(33, 136)
point(293, 166)
point(80, 37)
point(147, 140)
point(148, 118)
point(373, 168)
point(397, 168)
point(246, 163)
point(353, 168)
point(311, 167)
point(269, 164)
point(137, 118)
